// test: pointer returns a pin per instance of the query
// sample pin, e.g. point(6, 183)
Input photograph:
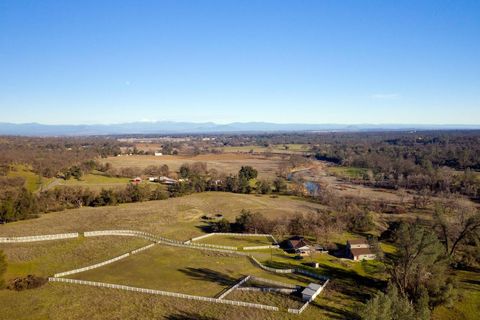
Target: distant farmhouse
point(298, 245)
point(359, 249)
point(158, 154)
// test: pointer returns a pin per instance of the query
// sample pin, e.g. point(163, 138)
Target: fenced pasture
point(175, 218)
point(238, 241)
point(180, 269)
point(48, 257)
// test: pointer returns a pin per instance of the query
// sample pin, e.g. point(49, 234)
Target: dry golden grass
point(224, 163)
point(177, 218)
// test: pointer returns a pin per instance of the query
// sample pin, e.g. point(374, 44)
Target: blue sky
point(226, 61)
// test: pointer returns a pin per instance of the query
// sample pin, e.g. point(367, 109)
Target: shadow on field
point(188, 316)
point(209, 275)
point(336, 313)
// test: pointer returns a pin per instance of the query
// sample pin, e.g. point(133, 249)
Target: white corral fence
point(258, 263)
point(261, 247)
point(226, 293)
point(38, 238)
point(267, 289)
point(276, 283)
point(98, 265)
point(165, 293)
point(233, 235)
point(298, 311)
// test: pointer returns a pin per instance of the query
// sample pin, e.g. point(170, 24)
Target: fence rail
point(268, 289)
point(38, 238)
point(261, 247)
point(101, 264)
point(258, 263)
point(277, 283)
point(226, 293)
point(233, 235)
point(298, 311)
point(165, 293)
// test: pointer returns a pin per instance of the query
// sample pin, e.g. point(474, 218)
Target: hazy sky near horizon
point(69, 62)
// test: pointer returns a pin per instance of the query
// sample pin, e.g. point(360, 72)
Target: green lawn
point(95, 180)
point(347, 172)
point(33, 181)
point(182, 270)
point(48, 257)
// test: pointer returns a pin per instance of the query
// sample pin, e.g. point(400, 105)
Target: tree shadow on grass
point(209, 275)
point(336, 313)
point(188, 316)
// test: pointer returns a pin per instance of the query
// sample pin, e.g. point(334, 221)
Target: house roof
point(311, 289)
point(297, 244)
point(361, 251)
point(358, 241)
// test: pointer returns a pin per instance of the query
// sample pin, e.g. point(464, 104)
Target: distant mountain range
point(170, 127)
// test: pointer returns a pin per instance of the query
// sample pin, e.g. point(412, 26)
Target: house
point(167, 180)
point(298, 245)
point(158, 154)
point(311, 292)
point(136, 180)
point(359, 249)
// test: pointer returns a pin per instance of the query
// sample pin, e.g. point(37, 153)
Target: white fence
point(233, 235)
point(98, 265)
point(261, 247)
point(264, 289)
point(258, 263)
point(298, 311)
point(277, 283)
point(38, 238)
point(165, 293)
point(193, 244)
point(311, 274)
point(226, 293)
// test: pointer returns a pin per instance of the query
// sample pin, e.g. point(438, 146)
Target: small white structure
point(158, 154)
point(311, 292)
point(152, 179)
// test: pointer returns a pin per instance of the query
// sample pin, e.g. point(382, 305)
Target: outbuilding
point(311, 292)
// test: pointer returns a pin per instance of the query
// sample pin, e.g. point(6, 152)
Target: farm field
point(237, 241)
point(48, 257)
point(225, 163)
point(193, 271)
point(95, 181)
point(183, 270)
point(278, 148)
point(32, 181)
point(175, 218)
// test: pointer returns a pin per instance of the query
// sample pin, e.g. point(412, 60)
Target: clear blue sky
point(224, 61)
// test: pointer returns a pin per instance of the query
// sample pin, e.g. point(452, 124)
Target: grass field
point(194, 271)
point(347, 172)
point(237, 241)
point(279, 148)
point(176, 218)
point(48, 257)
point(199, 273)
point(32, 181)
point(95, 181)
point(226, 163)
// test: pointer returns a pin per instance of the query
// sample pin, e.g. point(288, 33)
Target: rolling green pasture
point(33, 181)
point(347, 172)
point(95, 181)
point(44, 258)
point(182, 270)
